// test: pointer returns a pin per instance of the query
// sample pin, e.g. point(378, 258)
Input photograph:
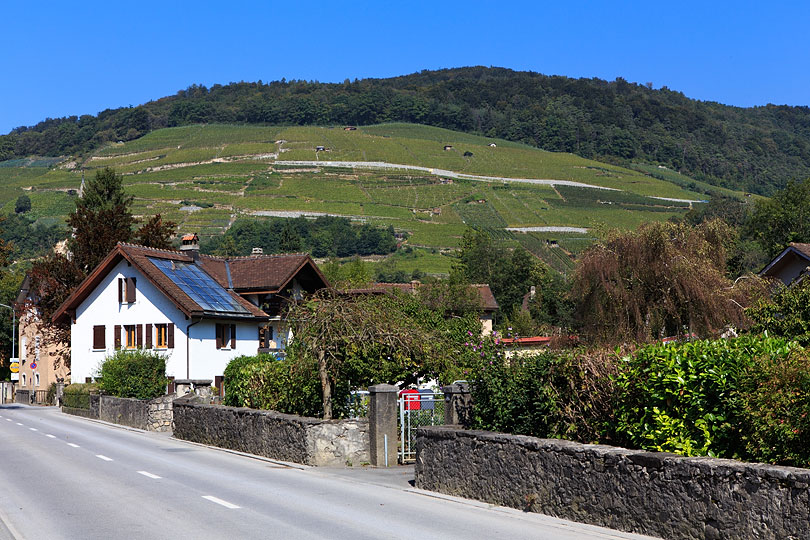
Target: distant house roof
point(527, 341)
point(789, 266)
point(488, 302)
point(207, 287)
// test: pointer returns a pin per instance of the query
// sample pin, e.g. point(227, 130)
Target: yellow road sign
point(15, 367)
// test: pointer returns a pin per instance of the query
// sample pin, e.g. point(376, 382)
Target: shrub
point(262, 382)
point(551, 394)
point(775, 404)
point(686, 397)
point(137, 374)
point(50, 396)
point(78, 395)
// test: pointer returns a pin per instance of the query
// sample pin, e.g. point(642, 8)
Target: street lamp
point(13, 327)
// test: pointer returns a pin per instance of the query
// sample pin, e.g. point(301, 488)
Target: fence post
point(458, 405)
point(382, 424)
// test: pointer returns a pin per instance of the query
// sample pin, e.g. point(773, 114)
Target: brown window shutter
point(233, 336)
point(98, 337)
point(219, 329)
point(139, 335)
point(120, 290)
point(170, 335)
point(130, 290)
point(148, 336)
point(117, 336)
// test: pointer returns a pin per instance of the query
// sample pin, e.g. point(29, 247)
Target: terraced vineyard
point(204, 177)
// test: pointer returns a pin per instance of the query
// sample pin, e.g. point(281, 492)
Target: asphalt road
point(67, 477)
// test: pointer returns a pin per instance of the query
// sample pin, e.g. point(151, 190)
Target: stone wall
point(285, 437)
point(150, 415)
point(125, 411)
point(652, 493)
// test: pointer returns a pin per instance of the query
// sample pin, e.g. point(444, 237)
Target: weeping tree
point(368, 339)
point(663, 279)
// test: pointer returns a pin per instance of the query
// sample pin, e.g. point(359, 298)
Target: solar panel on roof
point(199, 286)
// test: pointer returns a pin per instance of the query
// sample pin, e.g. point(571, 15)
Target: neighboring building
point(41, 362)
point(488, 303)
point(201, 311)
point(526, 346)
point(791, 265)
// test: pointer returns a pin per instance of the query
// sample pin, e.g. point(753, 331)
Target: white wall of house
point(151, 306)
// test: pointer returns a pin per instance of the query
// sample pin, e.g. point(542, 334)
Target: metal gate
point(417, 408)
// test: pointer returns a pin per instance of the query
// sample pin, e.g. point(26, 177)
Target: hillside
point(751, 149)
point(207, 176)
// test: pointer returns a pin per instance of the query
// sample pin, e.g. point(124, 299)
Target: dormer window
point(126, 290)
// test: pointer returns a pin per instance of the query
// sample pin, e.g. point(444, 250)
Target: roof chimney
point(257, 251)
point(190, 245)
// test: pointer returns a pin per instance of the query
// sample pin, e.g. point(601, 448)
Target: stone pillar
point(60, 391)
point(457, 405)
point(382, 424)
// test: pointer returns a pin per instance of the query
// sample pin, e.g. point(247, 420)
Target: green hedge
point(745, 398)
point(262, 382)
point(137, 374)
point(78, 395)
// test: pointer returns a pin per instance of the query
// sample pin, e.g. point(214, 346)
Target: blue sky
point(65, 58)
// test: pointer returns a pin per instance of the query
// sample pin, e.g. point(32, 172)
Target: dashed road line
point(149, 475)
point(73, 445)
point(8, 419)
point(33, 429)
point(105, 458)
point(50, 436)
point(19, 424)
point(226, 504)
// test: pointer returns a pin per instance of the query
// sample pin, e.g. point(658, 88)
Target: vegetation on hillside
point(753, 149)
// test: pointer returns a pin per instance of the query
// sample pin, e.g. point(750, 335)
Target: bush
point(50, 397)
point(262, 382)
point(78, 395)
point(687, 398)
point(137, 374)
point(566, 394)
point(775, 401)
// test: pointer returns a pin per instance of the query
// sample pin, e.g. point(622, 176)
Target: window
point(126, 290)
point(36, 379)
point(37, 341)
point(134, 336)
point(161, 336)
point(265, 336)
point(23, 346)
point(226, 336)
point(99, 341)
point(23, 379)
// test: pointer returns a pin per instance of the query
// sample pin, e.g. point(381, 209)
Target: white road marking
point(105, 458)
point(149, 475)
point(73, 445)
point(50, 436)
point(19, 424)
point(33, 429)
point(226, 504)
point(8, 419)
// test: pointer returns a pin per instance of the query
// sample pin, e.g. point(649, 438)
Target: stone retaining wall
point(150, 415)
point(285, 437)
point(645, 492)
point(125, 411)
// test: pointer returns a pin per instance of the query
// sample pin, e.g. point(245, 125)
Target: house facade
point(790, 266)
point(41, 361)
point(199, 311)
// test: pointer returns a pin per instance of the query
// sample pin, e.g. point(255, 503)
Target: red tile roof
point(270, 274)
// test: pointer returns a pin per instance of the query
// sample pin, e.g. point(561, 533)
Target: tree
point(782, 219)
point(372, 337)
point(156, 233)
point(663, 279)
point(23, 204)
point(102, 219)
point(785, 314)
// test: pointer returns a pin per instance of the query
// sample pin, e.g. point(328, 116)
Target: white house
point(200, 311)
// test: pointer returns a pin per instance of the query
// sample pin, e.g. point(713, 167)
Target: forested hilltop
point(755, 149)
